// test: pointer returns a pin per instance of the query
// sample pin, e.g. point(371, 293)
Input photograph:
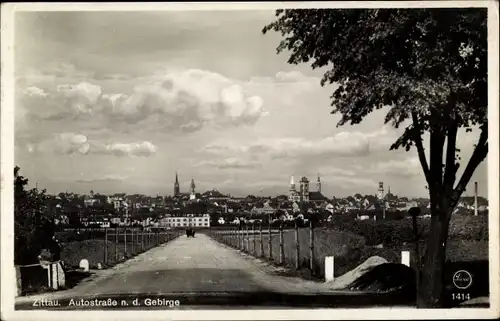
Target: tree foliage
point(428, 67)
point(33, 225)
point(413, 59)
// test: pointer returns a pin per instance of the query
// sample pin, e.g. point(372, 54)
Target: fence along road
point(188, 265)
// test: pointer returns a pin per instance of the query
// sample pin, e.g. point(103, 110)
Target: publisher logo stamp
point(462, 279)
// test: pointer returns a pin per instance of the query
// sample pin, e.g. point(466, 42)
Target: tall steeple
point(192, 186)
point(318, 184)
point(292, 183)
point(192, 196)
point(177, 190)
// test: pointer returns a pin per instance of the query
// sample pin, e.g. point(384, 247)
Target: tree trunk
point(432, 273)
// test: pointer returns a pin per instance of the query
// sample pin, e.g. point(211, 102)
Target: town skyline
point(313, 187)
point(125, 116)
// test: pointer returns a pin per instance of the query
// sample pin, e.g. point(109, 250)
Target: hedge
point(398, 232)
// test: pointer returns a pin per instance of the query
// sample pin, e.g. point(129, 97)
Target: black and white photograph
point(250, 160)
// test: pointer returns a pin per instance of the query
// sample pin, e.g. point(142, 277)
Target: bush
point(469, 227)
point(398, 232)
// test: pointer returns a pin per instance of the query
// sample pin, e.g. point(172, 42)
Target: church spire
point(176, 185)
point(318, 184)
point(192, 185)
point(192, 196)
point(292, 183)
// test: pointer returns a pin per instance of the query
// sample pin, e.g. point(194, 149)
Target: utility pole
point(380, 195)
point(475, 199)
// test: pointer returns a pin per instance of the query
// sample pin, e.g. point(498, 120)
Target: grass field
point(94, 250)
point(351, 243)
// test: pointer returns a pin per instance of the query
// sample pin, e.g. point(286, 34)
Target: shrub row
point(395, 233)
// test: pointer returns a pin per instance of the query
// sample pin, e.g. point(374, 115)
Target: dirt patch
point(75, 277)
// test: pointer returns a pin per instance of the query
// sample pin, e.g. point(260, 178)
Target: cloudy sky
point(117, 102)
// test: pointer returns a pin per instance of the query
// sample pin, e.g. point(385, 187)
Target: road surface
point(197, 266)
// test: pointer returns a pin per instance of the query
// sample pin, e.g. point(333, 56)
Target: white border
point(7, 165)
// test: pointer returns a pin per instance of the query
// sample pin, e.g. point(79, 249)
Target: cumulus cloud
point(175, 101)
point(287, 77)
point(64, 143)
point(408, 167)
point(70, 143)
point(105, 178)
point(64, 102)
point(343, 144)
point(295, 76)
point(34, 91)
point(335, 171)
point(144, 149)
point(352, 182)
point(187, 100)
point(230, 163)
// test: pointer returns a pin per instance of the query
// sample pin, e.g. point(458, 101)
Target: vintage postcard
point(250, 161)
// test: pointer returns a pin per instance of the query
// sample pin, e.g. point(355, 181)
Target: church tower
point(192, 195)
point(304, 189)
point(380, 192)
point(318, 184)
point(293, 195)
point(177, 190)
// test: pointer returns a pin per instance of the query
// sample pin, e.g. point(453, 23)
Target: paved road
point(184, 265)
point(199, 266)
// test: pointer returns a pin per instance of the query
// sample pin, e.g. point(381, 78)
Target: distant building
point(177, 189)
point(260, 208)
point(293, 195)
point(215, 195)
point(330, 208)
point(192, 194)
point(188, 220)
point(304, 195)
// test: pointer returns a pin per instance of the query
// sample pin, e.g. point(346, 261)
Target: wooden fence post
point(132, 236)
point(142, 239)
point(270, 242)
point(248, 240)
point(261, 240)
point(405, 258)
point(116, 244)
point(311, 245)
point(282, 246)
point(105, 245)
point(253, 239)
point(241, 240)
point(125, 238)
point(329, 269)
point(297, 246)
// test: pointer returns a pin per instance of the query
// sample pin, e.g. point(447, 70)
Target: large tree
point(33, 224)
point(429, 68)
